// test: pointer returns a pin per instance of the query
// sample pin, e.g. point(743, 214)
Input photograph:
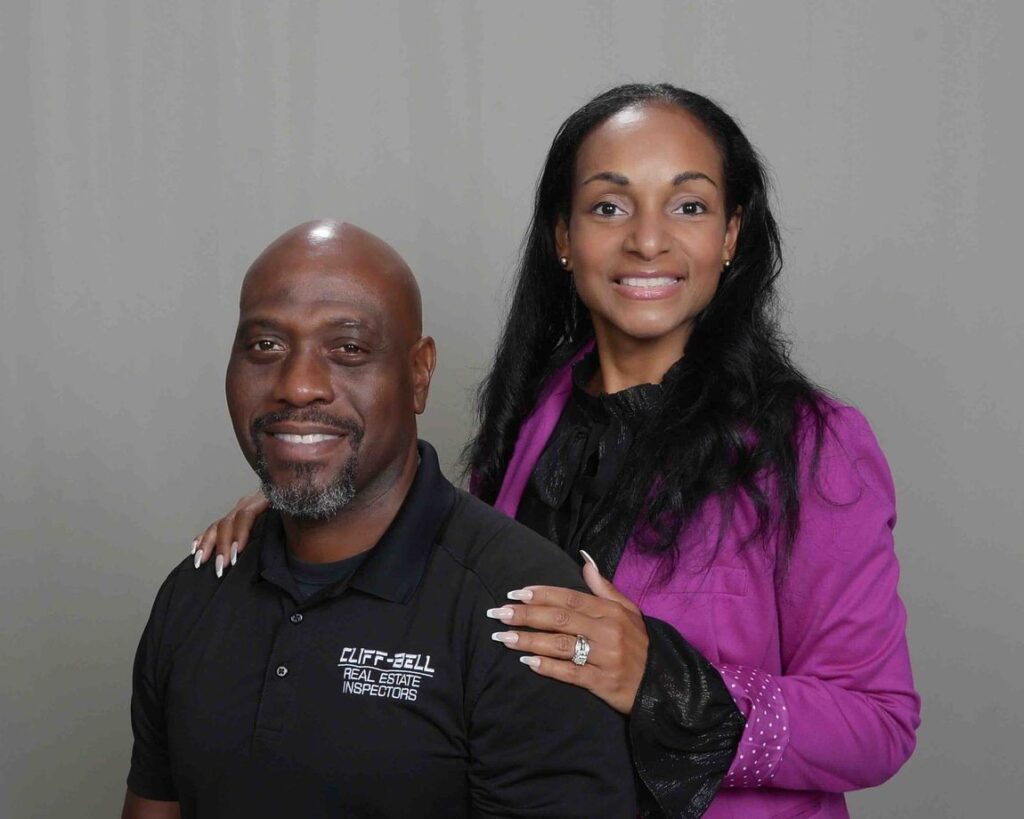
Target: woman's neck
point(626, 362)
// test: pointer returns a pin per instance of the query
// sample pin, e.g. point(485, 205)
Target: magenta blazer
point(818, 661)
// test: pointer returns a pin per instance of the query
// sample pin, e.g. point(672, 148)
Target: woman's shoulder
point(840, 452)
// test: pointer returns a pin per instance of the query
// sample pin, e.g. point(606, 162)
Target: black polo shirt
point(382, 695)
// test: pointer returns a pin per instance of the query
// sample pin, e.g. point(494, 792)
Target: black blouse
point(684, 727)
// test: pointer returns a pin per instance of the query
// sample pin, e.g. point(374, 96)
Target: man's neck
point(360, 525)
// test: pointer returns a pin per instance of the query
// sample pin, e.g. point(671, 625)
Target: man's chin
point(309, 503)
point(307, 491)
point(306, 496)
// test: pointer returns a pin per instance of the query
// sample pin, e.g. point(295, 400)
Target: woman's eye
point(607, 209)
point(692, 208)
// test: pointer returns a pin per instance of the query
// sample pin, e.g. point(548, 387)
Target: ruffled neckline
point(630, 405)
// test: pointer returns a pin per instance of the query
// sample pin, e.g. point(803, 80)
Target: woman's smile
point(648, 286)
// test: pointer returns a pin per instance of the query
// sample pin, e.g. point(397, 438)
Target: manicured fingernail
point(588, 558)
point(500, 614)
point(234, 553)
point(526, 595)
point(509, 638)
point(199, 558)
point(533, 662)
point(218, 566)
point(195, 545)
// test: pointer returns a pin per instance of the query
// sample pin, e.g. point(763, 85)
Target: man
point(345, 666)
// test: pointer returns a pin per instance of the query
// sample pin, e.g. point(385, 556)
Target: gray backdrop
point(151, 149)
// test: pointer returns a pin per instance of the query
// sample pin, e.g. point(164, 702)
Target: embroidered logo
point(369, 672)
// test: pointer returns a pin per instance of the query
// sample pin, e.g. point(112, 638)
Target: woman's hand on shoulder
point(224, 539)
point(610, 622)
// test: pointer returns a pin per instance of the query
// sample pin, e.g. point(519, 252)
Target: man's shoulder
point(186, 585)
point(501, 552)
point(184, 596)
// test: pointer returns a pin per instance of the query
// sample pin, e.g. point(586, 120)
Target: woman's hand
point(610, 622)
point(229, 535)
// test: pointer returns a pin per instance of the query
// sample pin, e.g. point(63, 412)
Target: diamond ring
point(582, 651)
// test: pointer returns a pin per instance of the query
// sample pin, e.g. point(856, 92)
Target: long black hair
point(731, 419)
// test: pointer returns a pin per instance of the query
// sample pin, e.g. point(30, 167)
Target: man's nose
point(304, 378)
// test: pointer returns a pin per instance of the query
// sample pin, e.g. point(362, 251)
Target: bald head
point(329, 369)
point(336, 248)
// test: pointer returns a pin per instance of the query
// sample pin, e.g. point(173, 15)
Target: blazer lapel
point(535, 433)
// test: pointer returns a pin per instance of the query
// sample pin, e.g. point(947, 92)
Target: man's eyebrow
point(347, 322)
point(254, 322)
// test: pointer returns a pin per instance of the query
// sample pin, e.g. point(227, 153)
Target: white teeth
point(316, 438)
point(636, 281)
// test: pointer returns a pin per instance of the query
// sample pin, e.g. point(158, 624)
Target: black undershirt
point(312, 577)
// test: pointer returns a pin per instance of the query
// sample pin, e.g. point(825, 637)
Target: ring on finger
point(582, 651)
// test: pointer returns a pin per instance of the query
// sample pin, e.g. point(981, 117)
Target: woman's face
point(647, 234)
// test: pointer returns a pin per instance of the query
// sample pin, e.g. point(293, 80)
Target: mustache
point(310, 416)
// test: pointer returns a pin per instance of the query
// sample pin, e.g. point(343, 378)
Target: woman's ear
point(732, 232)
point(562, 243)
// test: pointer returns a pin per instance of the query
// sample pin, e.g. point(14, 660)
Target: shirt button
point(296, 618)
point(282, 670)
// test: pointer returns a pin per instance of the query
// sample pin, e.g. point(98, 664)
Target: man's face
point(325, 377)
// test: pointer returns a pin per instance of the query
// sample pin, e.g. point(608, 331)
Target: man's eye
point(265, 345)
point(607, 209)
point(350, 348)
point(692, 208)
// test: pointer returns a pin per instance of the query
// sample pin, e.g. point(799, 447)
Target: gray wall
point(151, 149)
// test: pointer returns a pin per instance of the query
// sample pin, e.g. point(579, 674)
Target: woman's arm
point(843, 713)
point(684, 727)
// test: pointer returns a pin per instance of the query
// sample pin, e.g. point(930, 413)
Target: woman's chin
point(647, 331)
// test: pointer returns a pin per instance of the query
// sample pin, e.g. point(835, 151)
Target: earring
point(564, 261)
point(726, 264)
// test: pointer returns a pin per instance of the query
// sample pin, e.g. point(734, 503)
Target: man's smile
point(285, 446)
point(312, 438)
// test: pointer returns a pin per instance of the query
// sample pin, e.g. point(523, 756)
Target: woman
point(642, 405)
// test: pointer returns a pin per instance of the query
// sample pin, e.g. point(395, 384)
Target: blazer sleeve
point(843, 713)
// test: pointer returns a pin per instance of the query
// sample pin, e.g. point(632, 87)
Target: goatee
point(303, 497)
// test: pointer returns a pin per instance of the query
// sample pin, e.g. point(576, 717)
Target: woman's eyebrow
point(607, 176)
point(619, 179)
point(688, 176)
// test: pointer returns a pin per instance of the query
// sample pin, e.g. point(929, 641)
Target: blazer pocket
point(704, 580)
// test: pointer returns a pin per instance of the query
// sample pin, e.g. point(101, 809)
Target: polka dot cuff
point(766, 736)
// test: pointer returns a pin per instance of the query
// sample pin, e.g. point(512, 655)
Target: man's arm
point(537, 747)
point(135, 807)
point(150, 771)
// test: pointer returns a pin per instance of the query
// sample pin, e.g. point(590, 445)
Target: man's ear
point(562, 244)
point(423, 358)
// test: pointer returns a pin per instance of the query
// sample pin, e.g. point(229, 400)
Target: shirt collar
point(394, 567)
